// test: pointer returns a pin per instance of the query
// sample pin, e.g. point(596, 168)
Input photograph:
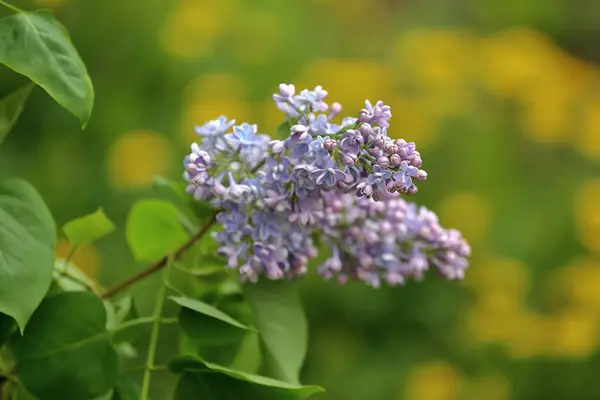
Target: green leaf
point(153, 229)
point(27, 241)
point(11, 107)
point(200, 210)
point(89, 228)
point(281, 322)
point(106, 396)
point(65, 352)
point(208, 325)
point(126, 389)
point(7, 326)
point(34, 44)
point(208, 310)
point(202, 379)
point(249, 355)
point(283, 130)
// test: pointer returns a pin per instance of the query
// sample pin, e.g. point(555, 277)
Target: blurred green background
point(503, 100)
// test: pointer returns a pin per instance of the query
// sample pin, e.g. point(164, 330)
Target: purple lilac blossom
point(343, 181)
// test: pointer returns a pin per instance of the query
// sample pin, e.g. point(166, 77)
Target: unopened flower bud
point(395, 160)
point(287, 90)
point(335, 109)
point(363, 116)
point(329, 144)
point(219, 190)
point(378, 140)
point(276, 146)
point(412, 190)
point(365, 131)
point(299, 132)
point(349, 158)
point(421, 175)
point(383, 162)
point(390, 148)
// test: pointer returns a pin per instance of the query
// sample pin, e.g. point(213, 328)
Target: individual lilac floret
point(378, 113)
point(340, 180)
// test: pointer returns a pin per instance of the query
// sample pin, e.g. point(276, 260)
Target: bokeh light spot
point(191, 29)
point(587, 214)
point(436, 380)
point(137, 157)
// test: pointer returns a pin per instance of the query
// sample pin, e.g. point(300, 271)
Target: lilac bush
point(342, 181)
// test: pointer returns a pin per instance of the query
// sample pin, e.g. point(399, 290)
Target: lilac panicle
point(342, 180)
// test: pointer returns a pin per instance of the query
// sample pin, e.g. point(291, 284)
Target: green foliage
point(89, 228)
point(65, 352)
point(34, 44)
point(27, 240)
point(60, 339)
point(153, 229)
point(208, 324)
point(11, 107)
point(280, 320)
point(7, 325)
point(202, 379)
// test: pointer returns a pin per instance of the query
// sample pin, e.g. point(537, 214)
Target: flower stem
point(162, 262)
point(10, 7)
point(156, 316)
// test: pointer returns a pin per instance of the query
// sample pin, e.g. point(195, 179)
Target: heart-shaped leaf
point(34, 44)
point(89, 228)
point(11, 107)
point(65, 352)
point(280, 320)
point(202, 379)
point(27, 241)
point(153, 229)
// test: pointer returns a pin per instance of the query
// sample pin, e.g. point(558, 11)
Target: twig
point(162, 262)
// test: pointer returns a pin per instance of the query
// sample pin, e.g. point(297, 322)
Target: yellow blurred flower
point(468, 212)
point(491, 387)
point(436, 380)
point(414, 120)
point(492, 325)
point(513, 62)
point(529, 336)
point(588, 139)
point(191, 29)
point(438, 59)
point(349, 82)
point(137, 157)
point(587, 214)
point(210, 96)
point(86, 257)
point(573, 333)
point(548, 115)
point(576, 285)
point(501, 275)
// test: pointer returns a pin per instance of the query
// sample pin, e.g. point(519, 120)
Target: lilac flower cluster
point(342, 181)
